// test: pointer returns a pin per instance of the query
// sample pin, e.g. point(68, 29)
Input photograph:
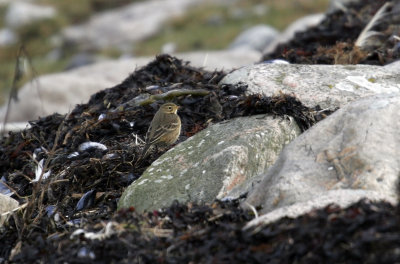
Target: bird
point(164, 129)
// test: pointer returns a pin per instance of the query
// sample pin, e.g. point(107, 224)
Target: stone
point(7, 37)
point(62, 91)
point(355, 148)
point(121, 27)
point(302, 24)
point(257, 38)
point(22, 13)
point(329, 86)
point(211, 163)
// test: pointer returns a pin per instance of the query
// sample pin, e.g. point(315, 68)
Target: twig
point(139, 101)
point(19, 72)
point(252, 209)
point(366, 33)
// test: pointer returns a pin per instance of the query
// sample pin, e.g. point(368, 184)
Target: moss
point(279, 79)
point(350, 67)
point(373, 80)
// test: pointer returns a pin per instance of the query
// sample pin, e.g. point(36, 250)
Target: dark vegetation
point(334, 40)
point(72, 217)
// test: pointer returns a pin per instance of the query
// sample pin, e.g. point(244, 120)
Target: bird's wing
point(158, 132)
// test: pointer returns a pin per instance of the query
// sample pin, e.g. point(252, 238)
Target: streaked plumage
point(164, 129)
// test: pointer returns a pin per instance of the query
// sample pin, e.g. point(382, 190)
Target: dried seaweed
point(53, 228)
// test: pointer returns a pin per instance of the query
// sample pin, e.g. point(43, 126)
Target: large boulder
point(213, 162)
point(329, 86)
point(355, 149)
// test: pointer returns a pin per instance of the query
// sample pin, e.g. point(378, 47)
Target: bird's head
point(169, 108)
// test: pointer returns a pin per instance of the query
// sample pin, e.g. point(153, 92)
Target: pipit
point(164, 129)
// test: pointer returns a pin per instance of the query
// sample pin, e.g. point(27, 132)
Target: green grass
point(78, 11)
point(193, 31)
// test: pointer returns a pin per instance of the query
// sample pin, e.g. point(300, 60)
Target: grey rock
point(356, 148)
point(330, 86)
point(23, 13)
point(302, 24)
point(211, 163)
point(7, 37)
point(121, 27)
point(256, 38)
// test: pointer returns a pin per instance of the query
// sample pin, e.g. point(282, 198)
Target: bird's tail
point(145, 153)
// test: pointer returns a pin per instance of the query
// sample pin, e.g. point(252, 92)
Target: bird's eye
point(170, 108)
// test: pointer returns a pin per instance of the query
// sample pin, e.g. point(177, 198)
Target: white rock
point(356, 148)
point(22, 13)
point(330, 86)
point(256, 38)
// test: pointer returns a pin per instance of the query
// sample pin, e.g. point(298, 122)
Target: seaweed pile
point(76, 166)
point(363, 233)
point(334, 40)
